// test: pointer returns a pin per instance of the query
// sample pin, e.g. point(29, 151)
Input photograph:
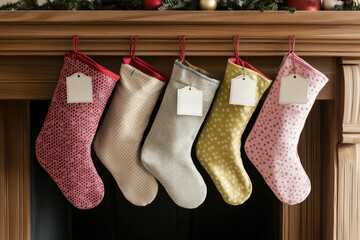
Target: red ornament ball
point(151, 4)
point(308, 5)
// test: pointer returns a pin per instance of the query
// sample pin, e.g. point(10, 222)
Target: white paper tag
point(243, 91)
point(79, 88)
point(189, 101)
point(293, 90)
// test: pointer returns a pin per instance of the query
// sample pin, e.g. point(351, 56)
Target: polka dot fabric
point(118, 141)
point(272, 143)
point(63, 146)
point(218, 147)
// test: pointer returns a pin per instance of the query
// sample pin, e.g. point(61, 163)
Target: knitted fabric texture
point(272, 143)
point(167, 148)
point(63, 146)
point(118, 140)
point(218, 147)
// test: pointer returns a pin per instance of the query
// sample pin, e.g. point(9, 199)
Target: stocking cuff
point(137, 81)
point(145, 68)
point(323, 79)
point(91, 63)
point(247, 65)
point(198, 73)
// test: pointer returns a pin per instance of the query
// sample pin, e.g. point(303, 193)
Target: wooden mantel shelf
point(323, 33)
point(33, 43)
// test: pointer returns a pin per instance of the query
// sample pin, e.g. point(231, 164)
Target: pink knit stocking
point(272, 143)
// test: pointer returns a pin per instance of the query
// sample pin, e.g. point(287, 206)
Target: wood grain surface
point(14, 170)
point(208, 33)
point(33, 43)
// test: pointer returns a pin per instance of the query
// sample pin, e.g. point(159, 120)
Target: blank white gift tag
point(189, 101)
point(243, 91)
point(79, 88)
point(293, 90)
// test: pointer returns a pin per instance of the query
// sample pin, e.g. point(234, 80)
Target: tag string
point(76, 50)
point(236, 52)
point(182, 47)
point(133, 40)
point(292, 50)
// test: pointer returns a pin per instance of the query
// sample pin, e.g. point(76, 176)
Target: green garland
point(261, 5)
point(179, 5)
point(348, 5)
point(74, 5)
point(137, 5)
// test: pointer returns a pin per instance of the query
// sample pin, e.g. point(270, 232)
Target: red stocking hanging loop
point(236, 46)
point(75, 43)
point(133, 40)
point(76, 50)
point(292, 50)
point(182, 47)
point(236, 52)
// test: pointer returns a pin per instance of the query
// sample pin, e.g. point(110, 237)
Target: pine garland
point(179, 5)
point(352, 5)
point(261, 5)
point(74, 5)
point(229, 4)
point(137, 5)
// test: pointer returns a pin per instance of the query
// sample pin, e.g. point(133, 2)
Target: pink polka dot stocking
point(63, 146)
point(272, 143)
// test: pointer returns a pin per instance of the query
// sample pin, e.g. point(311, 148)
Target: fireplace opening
point(53, 217)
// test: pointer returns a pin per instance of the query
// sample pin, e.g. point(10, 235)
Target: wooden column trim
point(350, 101)
point(347, 171)
point(14, 170)
point(348, 204)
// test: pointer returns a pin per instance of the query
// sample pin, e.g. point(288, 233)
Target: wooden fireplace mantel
point(107, 33)
point(32, 44)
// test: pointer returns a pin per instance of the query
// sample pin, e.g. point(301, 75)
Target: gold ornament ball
point(208, 4)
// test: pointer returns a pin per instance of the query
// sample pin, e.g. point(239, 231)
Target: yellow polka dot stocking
point(218, 147)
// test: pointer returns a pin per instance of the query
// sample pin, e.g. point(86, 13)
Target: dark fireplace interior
point(54, 218)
